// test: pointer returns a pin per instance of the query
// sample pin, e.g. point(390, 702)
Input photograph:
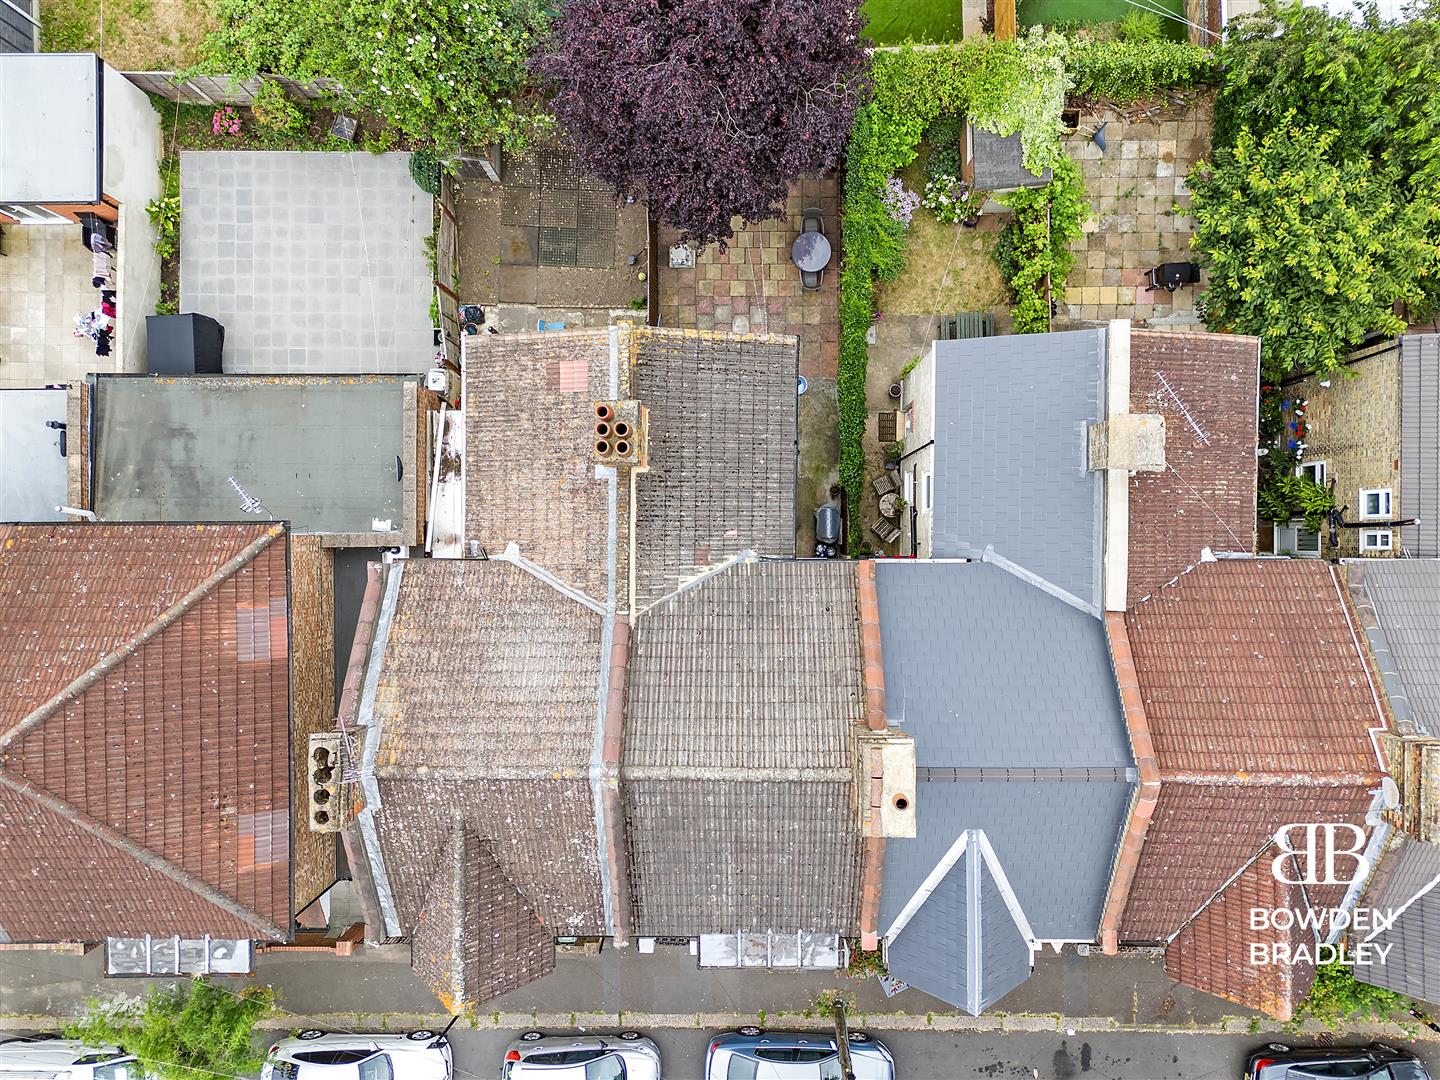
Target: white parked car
point(627, 1056)
point(49, 1057)
point(333, 1055)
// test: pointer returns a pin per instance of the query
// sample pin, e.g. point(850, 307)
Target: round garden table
point(810, 252)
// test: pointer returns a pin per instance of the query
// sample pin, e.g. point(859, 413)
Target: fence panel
point(447, 247)
point(222, 89)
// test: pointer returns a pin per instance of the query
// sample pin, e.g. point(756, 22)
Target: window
point(741, 1068)
point(908, 489)
point(332, 1057)
point(793, 1054)
point(609, 1067)
point(376, 1068)
point(929, 489)
point(1376, 540)
point(1374, 503)
point(1313, 470)
point(123, 1070)
point(1296, 539)
point(564, 1057)
point(909, 419)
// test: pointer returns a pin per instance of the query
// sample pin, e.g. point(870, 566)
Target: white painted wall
point(133, 149)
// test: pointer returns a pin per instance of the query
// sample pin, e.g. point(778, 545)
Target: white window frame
point(1386, 502)
point(908, 493)
point(1294, 527)
point(927, 486)
point(1313, 470)
point(1385, 540)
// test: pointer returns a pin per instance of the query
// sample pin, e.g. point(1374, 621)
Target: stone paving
point(314, 262)
point(1133, 187)
point(44, 284)
point(753, 287)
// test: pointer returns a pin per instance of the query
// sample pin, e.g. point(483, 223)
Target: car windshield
point(609, 1067)
point(376, 1068)
point(119, 1070)
point(332, 1057)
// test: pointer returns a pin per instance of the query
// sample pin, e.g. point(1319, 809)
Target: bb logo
point(1314, 860)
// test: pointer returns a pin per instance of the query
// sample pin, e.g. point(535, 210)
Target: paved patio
point(549, 242)
point(314, 262)
point(44, 284)
point(1133, 187)
point(752, 287)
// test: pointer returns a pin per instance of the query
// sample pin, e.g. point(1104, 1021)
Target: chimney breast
point(1131, 441)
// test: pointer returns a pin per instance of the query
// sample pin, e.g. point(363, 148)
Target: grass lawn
point(893, 22)
point(139, 35)
point(1090, 12)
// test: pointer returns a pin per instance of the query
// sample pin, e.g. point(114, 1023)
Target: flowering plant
point(226, 121)
point(899, 201)
point(952, 200)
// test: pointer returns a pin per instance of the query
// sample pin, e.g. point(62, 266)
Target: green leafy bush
point(450, 73)
point(181, 1032)
point(273, 109)
point(1308, 253)
point(425, 170)
point(1036, 243)
point(1282, 495)
point(1126, 71)
point(1140, 25)
point(164, 212)
point(946, 137)
point(1336, 996)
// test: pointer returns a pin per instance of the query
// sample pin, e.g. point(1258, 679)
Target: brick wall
point(312, 636)
point(1354, 427)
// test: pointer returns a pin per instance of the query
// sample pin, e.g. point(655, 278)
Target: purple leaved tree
point(708, 109)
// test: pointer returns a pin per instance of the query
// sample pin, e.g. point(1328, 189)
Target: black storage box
point(183, 344)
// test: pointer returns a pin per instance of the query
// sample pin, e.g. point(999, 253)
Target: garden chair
point(887, 532)
point(884, 484)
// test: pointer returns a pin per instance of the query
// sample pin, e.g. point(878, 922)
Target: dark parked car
point(1374, 1062)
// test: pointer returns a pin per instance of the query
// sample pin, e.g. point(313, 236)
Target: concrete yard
point(313, 262)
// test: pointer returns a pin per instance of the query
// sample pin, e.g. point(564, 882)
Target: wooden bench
point(887, 532)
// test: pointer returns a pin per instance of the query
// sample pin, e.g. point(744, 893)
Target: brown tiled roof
point(1206, 495)
point(1202, 834)
point(502, 945)
point(529, 474)
point(722, 452)
point(488, 702)
point(738, 768)
point(1213, 952)
point(148, 742)
point(1251, 666)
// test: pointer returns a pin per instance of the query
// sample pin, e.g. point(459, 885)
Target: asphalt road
point(933, 1056)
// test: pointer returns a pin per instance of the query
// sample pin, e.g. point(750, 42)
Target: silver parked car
point(627, 1056)
point(753, 1054)
point(313, 1054)
point(49, 1057)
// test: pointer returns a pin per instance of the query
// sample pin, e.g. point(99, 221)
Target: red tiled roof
point(1251, 666)
point(148, 744)
point(1202, 834)
point(1206, 495)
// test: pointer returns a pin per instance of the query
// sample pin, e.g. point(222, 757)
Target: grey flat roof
point(1011, 419)
point(999, 162)
point(51, 127)
point(1420, 443)
point(32, 472)
point(1408, 883)
point(1405, 594)
point(1011, 699)
point(317, 452)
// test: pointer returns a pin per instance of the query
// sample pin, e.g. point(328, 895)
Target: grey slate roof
point(968, 904)
point(1011, 415)
point(1404, 634)
point(737, 771)
point(999, 162)
point(722, 452)
point(1420, 442)
point(1408, 881)
point(1010, 697)
point(984, 669)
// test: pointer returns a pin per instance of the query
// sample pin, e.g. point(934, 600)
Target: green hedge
point(1010, 87)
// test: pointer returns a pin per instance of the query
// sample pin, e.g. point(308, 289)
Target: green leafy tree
point(187, 1031)
point(448, 73)
point(1306, 252)
point(1337, 996)
point(1036, 242)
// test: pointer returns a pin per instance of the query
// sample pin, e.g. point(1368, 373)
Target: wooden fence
point(447, 244)
point(222, 89)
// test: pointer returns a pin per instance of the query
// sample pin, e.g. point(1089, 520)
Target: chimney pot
point(602, 448)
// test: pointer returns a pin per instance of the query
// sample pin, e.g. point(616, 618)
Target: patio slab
point(314, 262)
point(1135, 188)
point(44, 284)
